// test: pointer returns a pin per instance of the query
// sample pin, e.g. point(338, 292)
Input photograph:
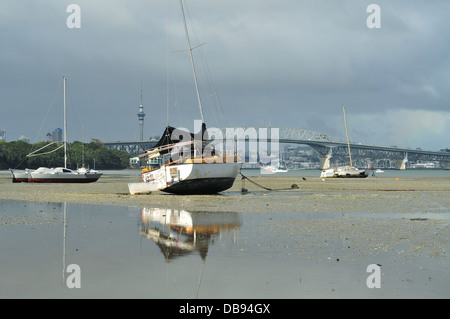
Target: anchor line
point(293, 186)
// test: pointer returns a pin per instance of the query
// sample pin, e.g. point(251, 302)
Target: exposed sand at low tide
point(369, 195)
point(403, 224)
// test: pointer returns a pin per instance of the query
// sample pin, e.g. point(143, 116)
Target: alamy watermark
point(74, 19)
point(374, 19)
point(74, 279)
point(252, 145)
point(374, 279)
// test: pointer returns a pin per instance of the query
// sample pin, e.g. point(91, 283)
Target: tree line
point(92, 155)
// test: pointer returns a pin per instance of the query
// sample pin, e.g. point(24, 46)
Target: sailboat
point(272, 169)
point(58, 174)
point(190, 171)
point(346, 171)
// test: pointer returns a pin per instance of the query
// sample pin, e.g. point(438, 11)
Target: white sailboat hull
point(344, 172)
point(19, 176)
point(51, 175)
point(62, 175)
point(190, 178)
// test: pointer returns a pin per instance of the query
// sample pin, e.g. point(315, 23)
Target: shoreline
point(313, 195)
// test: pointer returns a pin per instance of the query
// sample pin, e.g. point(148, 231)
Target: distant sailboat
point(347, 171)
point(58, 174)
point(193, 172)
point(272, 169)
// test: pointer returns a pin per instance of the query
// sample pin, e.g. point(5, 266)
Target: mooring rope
point(293, 186)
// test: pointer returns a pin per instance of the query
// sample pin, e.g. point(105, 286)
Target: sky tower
point(141, 115)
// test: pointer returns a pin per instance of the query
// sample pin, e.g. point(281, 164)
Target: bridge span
point(327, 147)
point(133, 148)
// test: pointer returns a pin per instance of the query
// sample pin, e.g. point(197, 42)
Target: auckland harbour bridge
point(326, 146)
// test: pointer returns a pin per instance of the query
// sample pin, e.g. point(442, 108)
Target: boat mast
point(192, 61)
point(82, 143)
point(65, 125)
point(346, 132)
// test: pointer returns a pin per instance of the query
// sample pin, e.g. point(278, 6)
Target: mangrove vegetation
point(16, 155)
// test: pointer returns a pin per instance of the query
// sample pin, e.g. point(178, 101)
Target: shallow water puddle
point(60, 250)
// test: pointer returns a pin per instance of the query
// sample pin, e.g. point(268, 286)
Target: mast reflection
point(178, 232)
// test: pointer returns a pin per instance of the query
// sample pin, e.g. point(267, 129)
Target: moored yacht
point(346, 171)
point(58, 174)
point(184, 165)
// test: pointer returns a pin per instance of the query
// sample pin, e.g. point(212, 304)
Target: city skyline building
point(57, 135)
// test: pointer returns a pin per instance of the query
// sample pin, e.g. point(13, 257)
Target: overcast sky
point(283, 63)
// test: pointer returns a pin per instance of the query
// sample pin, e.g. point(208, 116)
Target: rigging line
point(209, 83)
point(214, 101)
point(216, 105)
point(192, 62)
point(41, 148)
point(71, 107)
point(42, 125)
point(173, 107)
point(48, 111)
point(20, 163)
point(198, 44)
point(172, 94)
point(32, 154)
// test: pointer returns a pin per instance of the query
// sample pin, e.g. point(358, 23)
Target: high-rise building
point(2, 135)
point(57, 135)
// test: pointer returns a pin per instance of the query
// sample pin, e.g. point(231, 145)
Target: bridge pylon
point(325, 159)
point(401, 164)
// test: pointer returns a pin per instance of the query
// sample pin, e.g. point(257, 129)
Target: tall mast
point(192, 61)
point(82, 143)
point(65, 125)
point(346, 132)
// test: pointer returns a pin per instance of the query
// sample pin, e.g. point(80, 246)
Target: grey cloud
point(290, 63)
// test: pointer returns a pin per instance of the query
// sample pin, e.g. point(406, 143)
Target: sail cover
point(173, 135)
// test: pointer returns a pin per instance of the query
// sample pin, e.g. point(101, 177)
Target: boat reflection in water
point(178, 232)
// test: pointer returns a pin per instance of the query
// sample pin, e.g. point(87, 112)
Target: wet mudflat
point(316, 241)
